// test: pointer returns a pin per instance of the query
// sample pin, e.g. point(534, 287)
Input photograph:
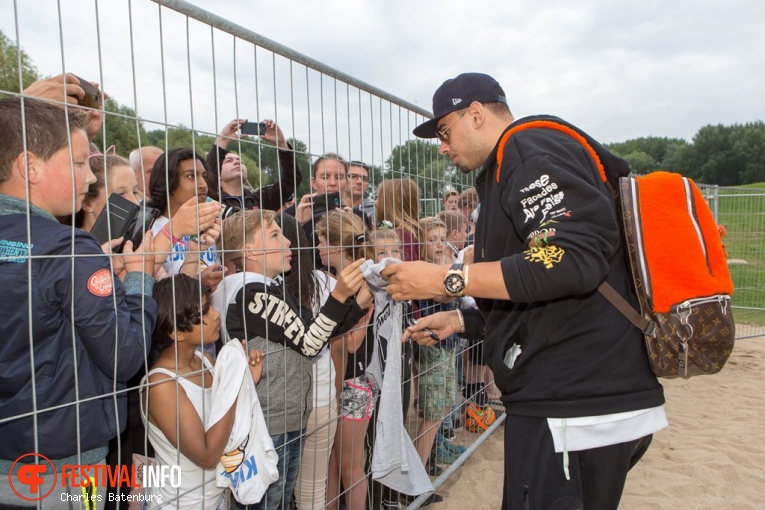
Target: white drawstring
point(565, 451)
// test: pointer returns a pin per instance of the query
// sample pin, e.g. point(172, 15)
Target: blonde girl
point(343, 239)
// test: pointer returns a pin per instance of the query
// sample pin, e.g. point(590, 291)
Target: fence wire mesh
point(742, 212)
point(178, 77)
point(178, 82)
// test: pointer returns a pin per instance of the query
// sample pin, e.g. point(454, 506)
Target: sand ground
point(712, 455)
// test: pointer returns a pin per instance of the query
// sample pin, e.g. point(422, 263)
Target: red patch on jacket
point(100, 283)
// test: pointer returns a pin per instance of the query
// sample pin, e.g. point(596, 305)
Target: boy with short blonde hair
point(437, 365)
point(456, 229)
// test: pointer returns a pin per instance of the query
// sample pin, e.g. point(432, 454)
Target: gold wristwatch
point(455, 281)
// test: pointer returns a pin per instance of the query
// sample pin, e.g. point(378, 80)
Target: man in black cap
point(582, 403)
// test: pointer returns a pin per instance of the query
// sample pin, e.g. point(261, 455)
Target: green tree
point(121, 128)
point(660, 150)
point(640, 162)
point(727, 155)
point(376, 174)
point(419, 160)
point(9, 66)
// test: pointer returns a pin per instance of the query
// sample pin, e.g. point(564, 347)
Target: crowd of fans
point(110, 346)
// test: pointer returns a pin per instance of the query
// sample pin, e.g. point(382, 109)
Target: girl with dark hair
point(178, 394)
point(177, 188)
point(313, 288)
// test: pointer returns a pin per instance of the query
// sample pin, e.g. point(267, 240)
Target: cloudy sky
point(618, 69)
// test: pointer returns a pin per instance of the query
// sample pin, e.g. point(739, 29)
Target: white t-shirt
point(587, 432)
point(323, 369)
point(174, 261)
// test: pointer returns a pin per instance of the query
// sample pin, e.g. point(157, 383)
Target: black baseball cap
point(459, 93)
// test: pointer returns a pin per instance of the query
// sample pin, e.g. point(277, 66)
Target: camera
point(253, 128)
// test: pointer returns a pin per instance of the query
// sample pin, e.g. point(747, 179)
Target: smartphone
point(224, 209)
point(325, 202)
point(115, 220)
point(253, 128)
point(141, 224)
point(91, 93)
point(412, 322)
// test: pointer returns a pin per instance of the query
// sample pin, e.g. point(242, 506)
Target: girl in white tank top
point(197, 487)
point(177, 392)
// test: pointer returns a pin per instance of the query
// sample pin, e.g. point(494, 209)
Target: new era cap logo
point(456, 100)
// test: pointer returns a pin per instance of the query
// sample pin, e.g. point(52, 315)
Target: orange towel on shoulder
point(674, 253)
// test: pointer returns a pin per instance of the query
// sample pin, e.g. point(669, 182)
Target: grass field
point(741, 210)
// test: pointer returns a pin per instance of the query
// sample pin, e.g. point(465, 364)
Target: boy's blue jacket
point(69, 332)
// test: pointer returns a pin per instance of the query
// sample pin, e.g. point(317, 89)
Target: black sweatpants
point(534, 477)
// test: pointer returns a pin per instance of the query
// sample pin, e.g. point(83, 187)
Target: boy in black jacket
point(258, 308)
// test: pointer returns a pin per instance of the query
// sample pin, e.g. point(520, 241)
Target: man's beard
point(464, 169)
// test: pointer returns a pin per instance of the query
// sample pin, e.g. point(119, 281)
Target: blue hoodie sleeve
point(113, 325)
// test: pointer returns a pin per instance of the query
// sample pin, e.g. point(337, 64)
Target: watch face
point(454, 283)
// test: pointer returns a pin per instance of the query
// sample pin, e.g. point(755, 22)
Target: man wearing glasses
point(582, 403)
point(355, 193)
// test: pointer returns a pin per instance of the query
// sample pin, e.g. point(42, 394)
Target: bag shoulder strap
point(644, 325)
point(605, 288)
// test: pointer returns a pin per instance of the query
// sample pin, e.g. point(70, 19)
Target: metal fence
point(178, 74)
point(742, 212)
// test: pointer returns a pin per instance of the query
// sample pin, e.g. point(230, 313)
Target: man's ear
point(477, 113)
point(453, 235)
point(28, 167)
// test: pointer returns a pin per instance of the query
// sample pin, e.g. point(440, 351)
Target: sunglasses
point(443, 133)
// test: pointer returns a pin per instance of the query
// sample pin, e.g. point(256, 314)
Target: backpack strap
point(605, 288)
point(644, 325)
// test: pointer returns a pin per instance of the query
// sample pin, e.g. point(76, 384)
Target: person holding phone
point(71, 89)
point(227, 178)
point(113, 175)
point(329, 179)
point(178, 188)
